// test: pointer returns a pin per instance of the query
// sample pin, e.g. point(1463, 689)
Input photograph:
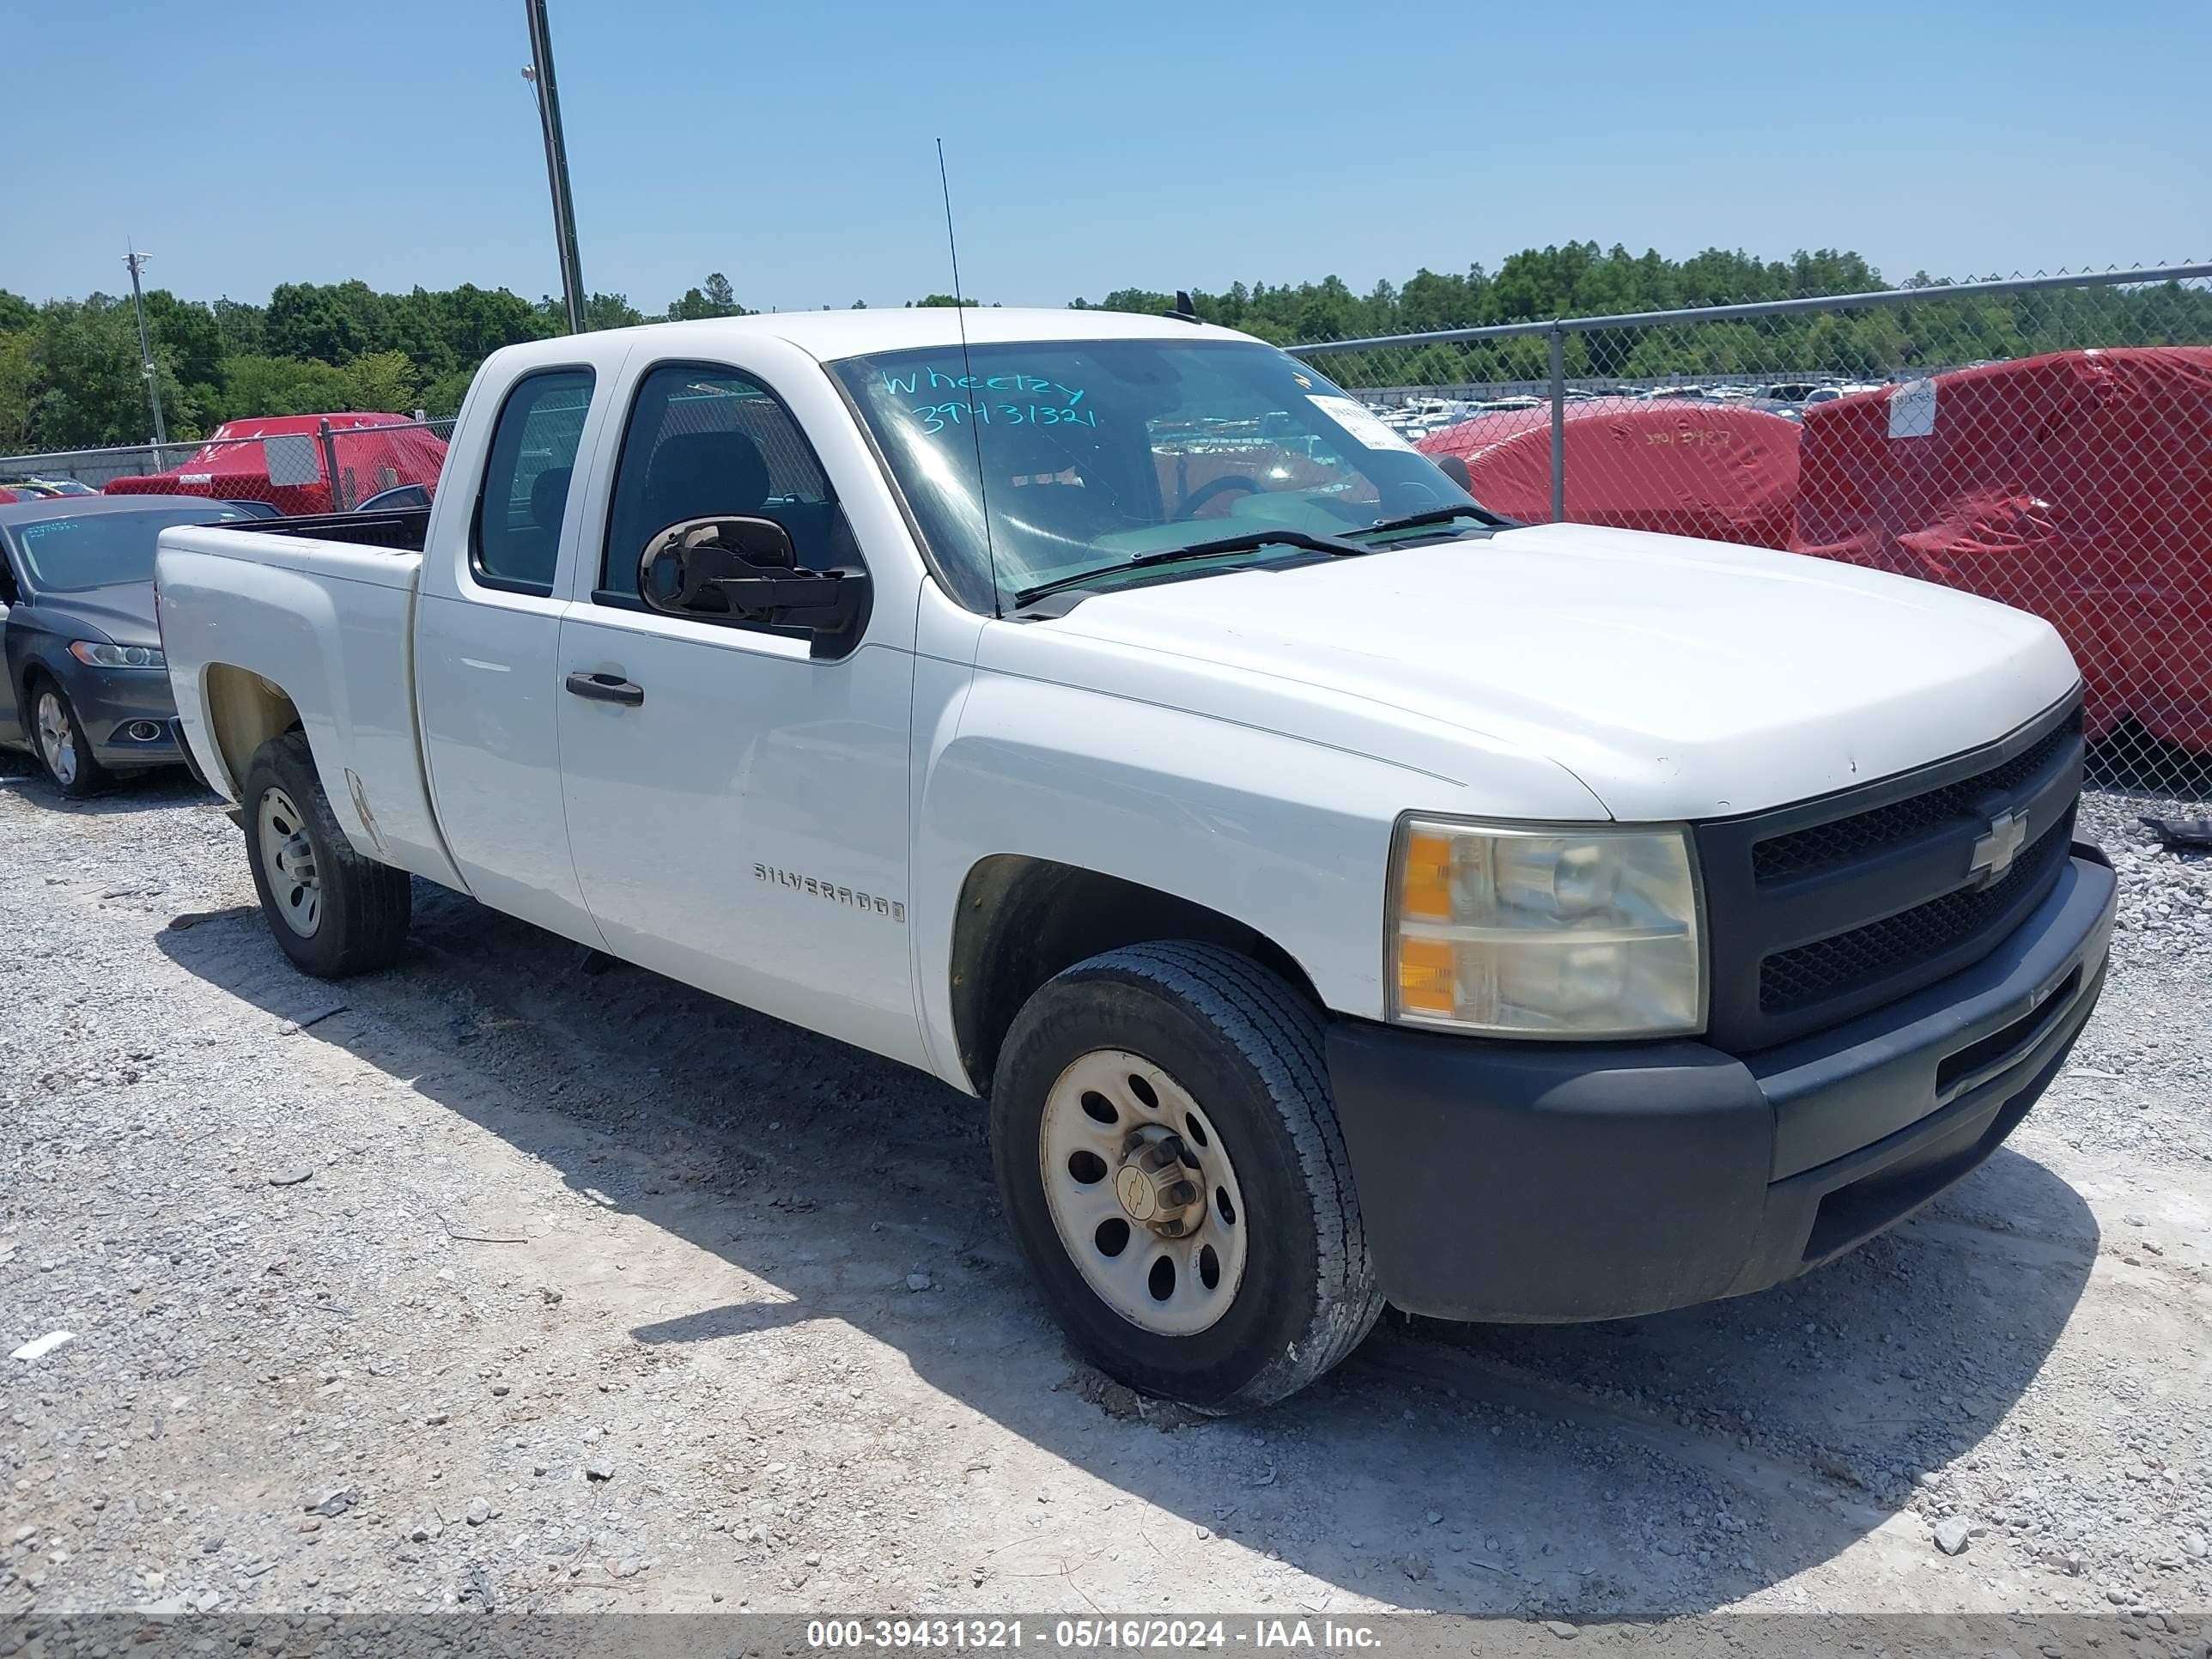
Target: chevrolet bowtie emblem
point(1994, 852)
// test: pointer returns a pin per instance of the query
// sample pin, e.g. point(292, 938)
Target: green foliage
point(188, 331)
point(600, 311)
point(1576, 280)
point(715, 299)
point(239, 325)
point(329, 323)
point(610, 311)
point(376, 382)
point(257, 385)
point(1579, 280)
point(84, 386)
point(70, 373)
point(383, 380)
point(442, 398)
point(18, 386)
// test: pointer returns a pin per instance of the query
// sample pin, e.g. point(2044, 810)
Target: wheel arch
point(1021, 919)
point(33, 672)
point(244, 710)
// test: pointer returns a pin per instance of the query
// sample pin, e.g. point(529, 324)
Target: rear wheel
point(1169, 1160)
point(333, 912)
point(64, 749)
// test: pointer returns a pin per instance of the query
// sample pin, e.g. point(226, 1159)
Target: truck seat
point(698, 475)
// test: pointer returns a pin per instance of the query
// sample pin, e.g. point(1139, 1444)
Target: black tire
point(364, 905)
point(91, 777)
point(1248, 1049)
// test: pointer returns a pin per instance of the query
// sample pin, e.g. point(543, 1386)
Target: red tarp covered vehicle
point(282, 462)
point(2077, 485)
point(1682, 468)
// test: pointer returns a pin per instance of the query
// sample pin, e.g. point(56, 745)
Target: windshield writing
point(1026, 463)
point(1023, 398)
point(102, 550)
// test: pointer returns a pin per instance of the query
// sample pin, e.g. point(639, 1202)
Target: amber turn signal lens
point(1424, 975)
point(1426, 892)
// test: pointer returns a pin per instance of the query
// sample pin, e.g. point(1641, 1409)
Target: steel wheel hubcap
point(289, 858)
point(1142, 1193)
point(57, 741)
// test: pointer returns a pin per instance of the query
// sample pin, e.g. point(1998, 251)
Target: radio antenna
point(967, 373)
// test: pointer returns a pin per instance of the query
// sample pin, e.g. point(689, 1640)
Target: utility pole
point(539, 73)
point(137, 261)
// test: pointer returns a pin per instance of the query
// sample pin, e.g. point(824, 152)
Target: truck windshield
point(71, 553)
point(1093, 453)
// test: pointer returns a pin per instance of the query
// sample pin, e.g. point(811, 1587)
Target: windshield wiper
point(1250, 542)
point(1434, 515)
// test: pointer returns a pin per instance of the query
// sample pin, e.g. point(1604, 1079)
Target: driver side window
point(704, 442)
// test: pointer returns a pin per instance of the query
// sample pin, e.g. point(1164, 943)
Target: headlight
point(98, 653)
point(1546, 931)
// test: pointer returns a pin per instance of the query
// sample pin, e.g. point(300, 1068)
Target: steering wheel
point(1212, 486)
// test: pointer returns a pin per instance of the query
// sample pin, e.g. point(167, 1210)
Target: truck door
point(737, 803)
point(487, 635)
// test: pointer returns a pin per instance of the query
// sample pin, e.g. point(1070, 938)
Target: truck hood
point(1674, 679)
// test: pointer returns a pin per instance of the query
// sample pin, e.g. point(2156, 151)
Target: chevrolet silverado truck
point(1340, 895)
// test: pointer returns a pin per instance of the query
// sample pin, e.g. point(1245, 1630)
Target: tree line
point(1580, 280)
point(70, 377)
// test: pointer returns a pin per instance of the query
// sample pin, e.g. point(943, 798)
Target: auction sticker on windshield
point(1359, 419)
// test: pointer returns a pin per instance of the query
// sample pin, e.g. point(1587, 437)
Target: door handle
point(606, 688)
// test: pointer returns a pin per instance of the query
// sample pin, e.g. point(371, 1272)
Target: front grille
point(1826, 909)
point(1864, 834)
point(1835, 966)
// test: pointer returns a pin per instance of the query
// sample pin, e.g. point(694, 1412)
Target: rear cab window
point(514, 539)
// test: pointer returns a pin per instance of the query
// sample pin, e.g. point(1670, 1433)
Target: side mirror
point(744, 570)
point(680, 565)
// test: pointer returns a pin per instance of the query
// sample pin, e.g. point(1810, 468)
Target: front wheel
point(333, 912)
point(1170, 1161)
point(64, 749)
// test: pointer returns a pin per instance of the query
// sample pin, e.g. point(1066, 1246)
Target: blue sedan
point(87, 690)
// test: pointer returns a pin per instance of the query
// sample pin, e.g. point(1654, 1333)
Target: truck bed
point(403, 529)
point(269, 624)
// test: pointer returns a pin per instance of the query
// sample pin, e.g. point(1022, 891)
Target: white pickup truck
point(1340, 895)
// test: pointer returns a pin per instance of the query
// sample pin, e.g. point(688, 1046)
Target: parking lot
point(491, 1282)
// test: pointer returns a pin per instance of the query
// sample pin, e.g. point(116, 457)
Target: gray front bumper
point(1546, 1182)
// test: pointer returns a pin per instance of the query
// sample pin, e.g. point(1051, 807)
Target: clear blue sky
point(253, 142)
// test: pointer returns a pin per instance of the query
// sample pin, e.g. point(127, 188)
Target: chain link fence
point(2043, 440)
point(279, 465)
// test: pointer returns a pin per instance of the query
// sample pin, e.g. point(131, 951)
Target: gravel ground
point(488, 1283)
